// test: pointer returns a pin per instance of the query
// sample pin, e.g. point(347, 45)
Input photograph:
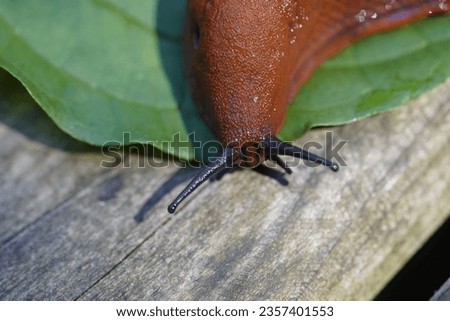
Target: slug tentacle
point(278, 147)
point(222, 162)
point(275, 158)
point(273, 147)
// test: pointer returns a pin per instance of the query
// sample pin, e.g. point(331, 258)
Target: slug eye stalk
point(272, 148)
point(278, 147)
point(215, 167)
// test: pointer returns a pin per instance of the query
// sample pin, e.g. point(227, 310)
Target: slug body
point(246, 59)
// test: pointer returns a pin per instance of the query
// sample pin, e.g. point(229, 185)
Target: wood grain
point(71, 229)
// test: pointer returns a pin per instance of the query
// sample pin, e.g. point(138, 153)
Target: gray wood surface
point(443, 294)
point(71, 229)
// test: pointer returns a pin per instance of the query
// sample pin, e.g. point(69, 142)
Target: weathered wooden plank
point(323, 236)
point(32, 151)
point(65, 220)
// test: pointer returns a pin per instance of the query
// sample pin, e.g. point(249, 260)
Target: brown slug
point(246, 59)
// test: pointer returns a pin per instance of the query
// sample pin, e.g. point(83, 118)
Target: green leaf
point(103, 68)
point(373, 75)
point(110, 71)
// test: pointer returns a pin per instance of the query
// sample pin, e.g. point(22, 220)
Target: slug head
point(236, 61)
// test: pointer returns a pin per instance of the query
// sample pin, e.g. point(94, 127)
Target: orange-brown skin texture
point(246, 59)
